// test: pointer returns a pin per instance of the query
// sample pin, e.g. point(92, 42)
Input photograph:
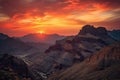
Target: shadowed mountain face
point(3, 36)
point(104, 65)
point(12, 45)
point(73, 49)
point(100, 32)
point(13, 68)
point(115, 34)
point(41, 42)
point(41, 38)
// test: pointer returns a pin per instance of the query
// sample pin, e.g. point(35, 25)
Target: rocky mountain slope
point(115, 34)
point(13, 68)
point(41, 42)
point(73, 49)
point(104, 65)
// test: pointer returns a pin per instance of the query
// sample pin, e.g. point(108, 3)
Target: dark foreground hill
point(13, 68)
point(104, 65)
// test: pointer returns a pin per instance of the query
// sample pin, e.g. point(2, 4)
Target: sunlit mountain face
point(20, 17)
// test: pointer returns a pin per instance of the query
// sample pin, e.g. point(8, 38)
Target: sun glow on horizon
point(41, 32)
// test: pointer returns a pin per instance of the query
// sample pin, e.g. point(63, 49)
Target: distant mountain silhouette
point(104, 65)
point(41, 38)
point(19, 48)
point(11, 45)
point(13, 68)
point(73, 49)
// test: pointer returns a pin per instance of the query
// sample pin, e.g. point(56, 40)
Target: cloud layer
point(57, 16)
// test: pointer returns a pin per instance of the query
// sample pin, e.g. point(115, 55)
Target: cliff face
point(104, 65)
point(74, 49)
point(13, 68)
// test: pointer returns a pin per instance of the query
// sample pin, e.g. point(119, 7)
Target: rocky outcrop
point(13, 68)
point(104, 65)
point(100, 32)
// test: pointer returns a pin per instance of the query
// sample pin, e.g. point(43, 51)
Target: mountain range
point(12, 45)
point(55, 57)
point(26, 45)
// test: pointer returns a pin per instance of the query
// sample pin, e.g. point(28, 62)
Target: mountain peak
point(92, 30)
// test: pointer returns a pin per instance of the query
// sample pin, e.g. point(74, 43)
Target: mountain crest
point(92, 30)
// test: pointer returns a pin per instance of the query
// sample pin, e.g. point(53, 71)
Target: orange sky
point(66, 17)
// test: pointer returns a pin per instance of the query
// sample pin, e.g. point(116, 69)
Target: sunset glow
point(64, 17)
point(42, 32)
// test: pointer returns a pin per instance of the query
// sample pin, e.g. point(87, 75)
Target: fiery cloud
point(19, 17)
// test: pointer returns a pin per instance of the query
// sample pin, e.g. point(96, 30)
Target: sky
point(65, 17)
